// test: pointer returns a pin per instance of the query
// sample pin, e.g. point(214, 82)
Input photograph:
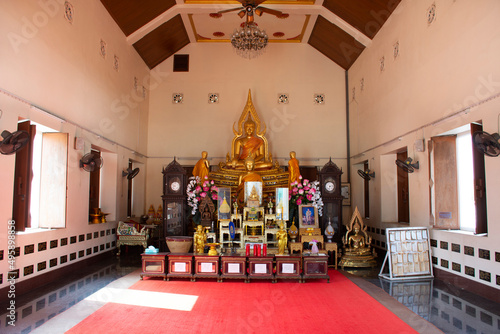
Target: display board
point(408, 253)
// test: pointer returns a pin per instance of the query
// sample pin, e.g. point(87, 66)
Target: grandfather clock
point(329, 178)
point(174, 199)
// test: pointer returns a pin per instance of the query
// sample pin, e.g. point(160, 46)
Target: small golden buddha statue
point(293, 168)
point(202, 167)
point(282, 238)
point(253, 195)
point(199, 239)
point(357, 242)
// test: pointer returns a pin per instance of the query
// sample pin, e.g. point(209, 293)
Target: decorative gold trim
point(200, 39)
point(268, 2)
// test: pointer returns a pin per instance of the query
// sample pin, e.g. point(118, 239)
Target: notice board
point(408, 253)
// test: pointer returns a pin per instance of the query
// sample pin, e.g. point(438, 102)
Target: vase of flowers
point(303, 192)
point(196, 191)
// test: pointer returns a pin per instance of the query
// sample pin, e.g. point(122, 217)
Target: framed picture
point(224, 203)
point(308, 216)
point(345, 191)
point(253, 188)
point(281, 203)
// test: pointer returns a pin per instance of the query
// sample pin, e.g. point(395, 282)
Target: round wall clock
point(330, 185)
point(175, 184)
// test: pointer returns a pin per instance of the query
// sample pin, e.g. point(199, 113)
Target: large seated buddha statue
point(249, 143)
point(357, 249)
point(249, 140)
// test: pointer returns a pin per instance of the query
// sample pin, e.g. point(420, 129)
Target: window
point(458, 193)
point(40, 179)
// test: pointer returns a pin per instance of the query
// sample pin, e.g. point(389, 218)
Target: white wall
point(442, 68)
point(315, 132)
point(49, 62)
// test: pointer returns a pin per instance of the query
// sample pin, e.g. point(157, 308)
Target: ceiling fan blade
point(267, 10)
point(229, 10)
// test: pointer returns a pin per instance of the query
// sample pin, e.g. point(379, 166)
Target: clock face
point(175, 184)
point(330, 186)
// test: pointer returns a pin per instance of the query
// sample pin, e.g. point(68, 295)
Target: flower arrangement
point(306, 192)
point(196, 191)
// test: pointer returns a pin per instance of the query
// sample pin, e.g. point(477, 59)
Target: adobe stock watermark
point(488, 88)
point(264, 310)
point(122, 106)
point(30, 26)
point(280, 119)
point(11, 277)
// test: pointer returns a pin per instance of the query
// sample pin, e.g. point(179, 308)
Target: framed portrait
point(345, 192)
point(308, 216)
point(224, 203)
point(281, 203)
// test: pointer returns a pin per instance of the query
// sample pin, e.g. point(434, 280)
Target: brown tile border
point(44, 279)
point(482, 290)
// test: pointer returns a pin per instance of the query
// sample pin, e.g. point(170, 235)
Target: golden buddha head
point(292, 155)
point(204, 154)
point(199, 228)
point(249, 126)
point(249, 163)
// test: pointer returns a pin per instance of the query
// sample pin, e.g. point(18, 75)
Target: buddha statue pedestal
point(357, 253)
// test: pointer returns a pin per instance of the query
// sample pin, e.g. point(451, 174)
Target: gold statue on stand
point(293, 168)
point(202, 167)
point(357, 242)
point(199, 239)
point(282, 238)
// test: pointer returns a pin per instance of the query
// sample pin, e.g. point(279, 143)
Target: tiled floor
point(449, 309)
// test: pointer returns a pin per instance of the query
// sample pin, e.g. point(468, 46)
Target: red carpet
point(257, 307)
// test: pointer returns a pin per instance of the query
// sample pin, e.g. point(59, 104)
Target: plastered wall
point(442, 68)
point(48, 62)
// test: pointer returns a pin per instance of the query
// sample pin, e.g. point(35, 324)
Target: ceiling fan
point(249, 8)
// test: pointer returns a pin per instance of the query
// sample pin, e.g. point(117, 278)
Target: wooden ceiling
point(339, 29)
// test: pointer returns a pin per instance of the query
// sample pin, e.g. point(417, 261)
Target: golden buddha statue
point(199, 239)
point(357, 242)
point(293, 168)
point(249, 141)
point(202, 167)
point(247, 145)
point(282, 238)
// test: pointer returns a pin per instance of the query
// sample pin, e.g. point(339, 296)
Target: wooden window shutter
point(22, 180)
point(479, 184)
point(53, 180)
point(445, 182)
point(403, 191)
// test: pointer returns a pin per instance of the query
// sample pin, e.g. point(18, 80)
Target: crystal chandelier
point(249, 41)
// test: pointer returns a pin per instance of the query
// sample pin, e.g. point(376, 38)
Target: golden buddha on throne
point(357, 249)
point(249, 141)
point(249, 158)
